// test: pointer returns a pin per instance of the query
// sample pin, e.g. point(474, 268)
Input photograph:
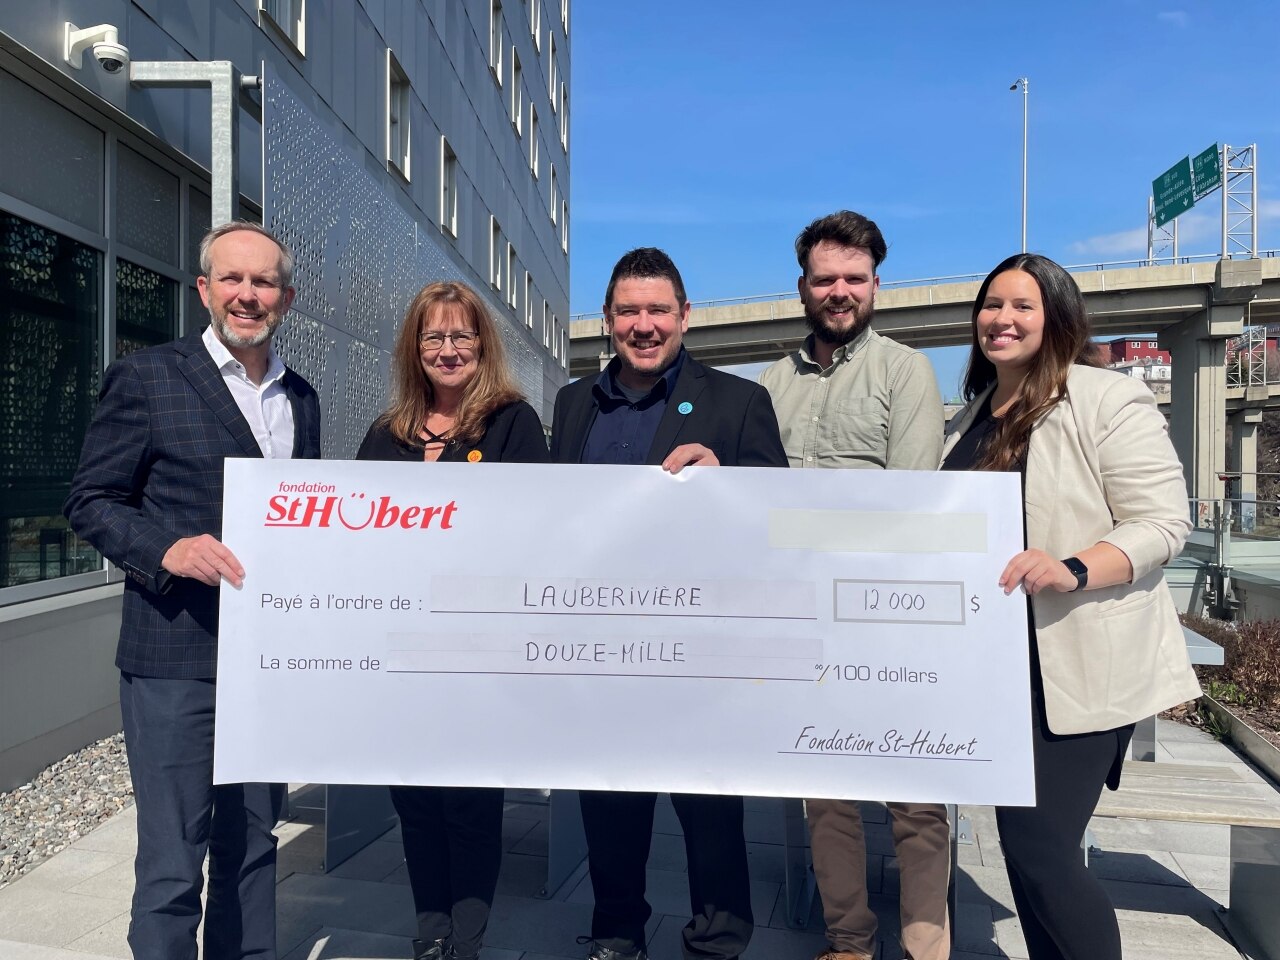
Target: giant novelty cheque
point(750, 631)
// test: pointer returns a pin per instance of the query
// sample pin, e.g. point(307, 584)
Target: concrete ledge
point(1264, 754)
point(59, 687)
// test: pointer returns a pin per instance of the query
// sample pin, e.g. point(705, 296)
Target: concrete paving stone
point(15, 950)
point(515, 830)
point(73, 865)
point(873, 812)
point(111, 939)
point(767, 861)
point(330, 943)
point(305, 904)
point(399, 875)
point(668, 893)
point(303, 853)
point(969, 854)
point(666, 852)
point(34, 914)
point(522, 876)
point(975, 929)
point(987, 886)
point(1200, 750)
point(1009, 938)
point(1169, 732)
point(541, 926)
point(966, 955)
point(1204, 871)
point(578, 954)
point(1145, 898)
point(114, 884)
point(1137, 866)
point(665, 819)
point(770, 944)
point(534, 841)
point(781, 916)
point(375, 862)
point(1174, 938)
point(118, 835)
point(764, 826)
point(1121, 834)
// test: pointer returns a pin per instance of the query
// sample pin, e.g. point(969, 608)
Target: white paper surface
point(735, 630)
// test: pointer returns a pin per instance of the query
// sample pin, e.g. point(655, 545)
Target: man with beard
point(852, 398)
point(654, 404)
point(148, 495)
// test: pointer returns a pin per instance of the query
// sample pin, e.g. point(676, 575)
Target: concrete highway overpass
point(1121, 301)
point(1193, 307)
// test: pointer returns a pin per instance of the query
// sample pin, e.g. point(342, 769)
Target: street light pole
point(1024, 83)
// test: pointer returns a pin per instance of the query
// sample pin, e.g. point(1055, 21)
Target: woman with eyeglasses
point(1106, 508)
point(453, 400)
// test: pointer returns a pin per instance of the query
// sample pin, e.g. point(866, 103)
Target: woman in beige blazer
point(1106, 508)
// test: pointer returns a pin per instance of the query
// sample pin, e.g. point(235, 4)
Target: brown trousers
point(922, 841)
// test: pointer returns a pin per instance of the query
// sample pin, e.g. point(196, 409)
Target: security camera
point(105, 40)
point(112, 56)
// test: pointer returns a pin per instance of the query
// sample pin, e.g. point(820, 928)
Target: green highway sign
point(1172, 192)
point(1206, 172)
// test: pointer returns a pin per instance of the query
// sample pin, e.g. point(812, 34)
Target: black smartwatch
point(1078, 570)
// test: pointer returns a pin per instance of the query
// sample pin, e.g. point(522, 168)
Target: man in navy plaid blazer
point(148, 494)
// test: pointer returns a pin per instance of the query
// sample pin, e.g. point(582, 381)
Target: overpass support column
point(1198, 346)
point(1243, 459)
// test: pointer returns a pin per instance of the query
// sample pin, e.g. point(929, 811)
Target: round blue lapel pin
point(685, 408)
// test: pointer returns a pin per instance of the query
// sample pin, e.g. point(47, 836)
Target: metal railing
point(955, 278)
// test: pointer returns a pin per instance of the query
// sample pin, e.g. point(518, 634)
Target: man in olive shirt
point(852, 398)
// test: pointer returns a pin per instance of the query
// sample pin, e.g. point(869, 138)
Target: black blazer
point(732, 416)
point(513, 434)
point(150, 474)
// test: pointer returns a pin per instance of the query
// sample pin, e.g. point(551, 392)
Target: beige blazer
point(1100, 466)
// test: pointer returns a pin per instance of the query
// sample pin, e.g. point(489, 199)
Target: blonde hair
point(412, 395)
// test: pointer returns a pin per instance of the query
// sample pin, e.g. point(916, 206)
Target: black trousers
point(168, 736)
point(453, 852)
point(1064, 911)
point(619, 829)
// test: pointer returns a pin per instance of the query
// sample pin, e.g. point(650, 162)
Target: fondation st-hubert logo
point(319, 505)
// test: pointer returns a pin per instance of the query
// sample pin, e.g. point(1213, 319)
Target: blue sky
point(716, 130)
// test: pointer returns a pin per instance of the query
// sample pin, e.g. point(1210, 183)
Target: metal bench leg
point(1144, 739)
point(798, 878)
point(1253, 919)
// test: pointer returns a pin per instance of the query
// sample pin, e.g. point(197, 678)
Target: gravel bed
point(61, 805)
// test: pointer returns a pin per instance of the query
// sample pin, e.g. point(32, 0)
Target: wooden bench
point(1213, 793)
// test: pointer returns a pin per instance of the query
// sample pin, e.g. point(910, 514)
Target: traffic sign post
point(1172, 192)
point(1206, 172)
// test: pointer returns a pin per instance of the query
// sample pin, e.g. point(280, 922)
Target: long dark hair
point(1065, 342)
point(412, 396)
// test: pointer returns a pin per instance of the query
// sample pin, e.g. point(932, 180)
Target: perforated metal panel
point(361, 257)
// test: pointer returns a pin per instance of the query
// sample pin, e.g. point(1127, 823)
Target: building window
point(398, 100)
point(529, 294)
point(495, 40)
point(555, 338)
point(517, 93)
point(564, 226)
point(533, 140)
point(495, 254)
point(564, 15)
point(448, 189)
point(564, 349)
point(289, 17)
point(564, 116)
point(555, 195)
point(50, 369)
point(553, 77)
point(535, 22)
point(511, 276)
point(146, 308)
point(546, 325)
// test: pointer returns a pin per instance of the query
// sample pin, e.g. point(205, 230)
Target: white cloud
point(1177, 18)
point(1199, 231)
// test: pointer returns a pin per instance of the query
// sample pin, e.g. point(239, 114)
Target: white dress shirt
point(265, 406)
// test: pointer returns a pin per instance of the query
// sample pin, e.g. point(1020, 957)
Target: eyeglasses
point(434, 340)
